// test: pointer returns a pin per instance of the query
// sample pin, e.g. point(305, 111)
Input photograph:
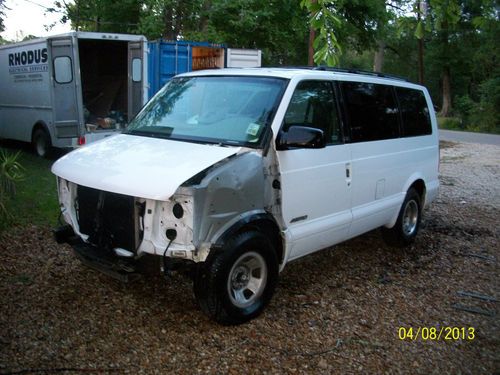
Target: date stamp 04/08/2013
point(443, 333)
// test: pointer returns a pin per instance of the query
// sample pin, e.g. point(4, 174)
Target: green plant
point(478, 116)
point(11, 172)
point(450, 123)
point(485, 115)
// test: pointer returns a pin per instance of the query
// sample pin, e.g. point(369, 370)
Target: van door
point(135, 78)
point(315, 183)
point(64, 95)
point(381, 161)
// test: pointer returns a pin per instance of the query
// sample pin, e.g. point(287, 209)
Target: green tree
point(100, 15)
point(171, 19)
point(279, 28)
point(2, 15)
point(451, 30)
point(341, 24)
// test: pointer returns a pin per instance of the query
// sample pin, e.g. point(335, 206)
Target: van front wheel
point(406, 228)
point(237, 283)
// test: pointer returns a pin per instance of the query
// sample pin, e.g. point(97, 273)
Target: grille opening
point(107, 218)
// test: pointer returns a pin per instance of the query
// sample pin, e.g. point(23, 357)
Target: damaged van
point(233, 173)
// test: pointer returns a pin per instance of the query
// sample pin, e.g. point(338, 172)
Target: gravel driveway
point(338, 311)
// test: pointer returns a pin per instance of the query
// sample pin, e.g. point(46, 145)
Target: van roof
point(305, 72)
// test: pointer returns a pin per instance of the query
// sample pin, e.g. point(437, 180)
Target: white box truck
point(71, 89)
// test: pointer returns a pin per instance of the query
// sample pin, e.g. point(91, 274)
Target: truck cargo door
point(64, 95)
point(135, 78)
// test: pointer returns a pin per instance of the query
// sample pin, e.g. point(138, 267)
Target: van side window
point(414, 111)
point(372, 111)
point(313, 104)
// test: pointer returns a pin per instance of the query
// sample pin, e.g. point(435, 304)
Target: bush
point(451, 123)
point(485, 115)
point(482, 116)
point(10, 174)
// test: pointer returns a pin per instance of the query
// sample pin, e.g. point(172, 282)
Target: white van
point(236, 172)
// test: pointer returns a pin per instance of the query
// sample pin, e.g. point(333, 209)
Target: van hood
point(138, 166)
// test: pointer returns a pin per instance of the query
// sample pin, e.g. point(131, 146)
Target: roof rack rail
point(358, 71)
point(345, 70)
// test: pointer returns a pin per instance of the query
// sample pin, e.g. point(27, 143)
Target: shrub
point(450, 123)
point(10, 174)
point(485, 115)
point(482, 115)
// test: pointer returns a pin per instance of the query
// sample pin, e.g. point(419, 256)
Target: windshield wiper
point(149, 133)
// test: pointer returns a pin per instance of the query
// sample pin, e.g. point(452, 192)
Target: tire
point(41, 143)
point(236, 283)
point(406, 228)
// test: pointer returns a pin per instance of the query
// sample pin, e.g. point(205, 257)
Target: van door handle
point(348, 173)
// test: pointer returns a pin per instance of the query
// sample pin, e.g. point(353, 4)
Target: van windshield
point(232, 110)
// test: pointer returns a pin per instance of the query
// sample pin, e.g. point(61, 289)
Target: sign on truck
point(68, 90)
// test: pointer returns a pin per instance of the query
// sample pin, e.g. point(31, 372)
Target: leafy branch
point(323, 19)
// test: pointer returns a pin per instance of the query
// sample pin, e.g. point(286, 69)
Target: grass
point(35, 201)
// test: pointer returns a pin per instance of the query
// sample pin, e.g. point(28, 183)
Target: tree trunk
point(97, 26)
point(378, 60)
point(168, 20)
point(421, 61)
point(312, 35)
point(420, 52)
point(446, 108)
point(204, 21)
point(446, 74)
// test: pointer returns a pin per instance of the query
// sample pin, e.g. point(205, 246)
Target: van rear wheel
point(407, 225)
point(235, 285)
point(41, 143)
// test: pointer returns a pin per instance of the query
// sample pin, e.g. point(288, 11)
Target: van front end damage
point(111, 231)
point(117, 229)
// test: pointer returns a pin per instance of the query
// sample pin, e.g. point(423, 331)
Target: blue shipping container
point(166, 59)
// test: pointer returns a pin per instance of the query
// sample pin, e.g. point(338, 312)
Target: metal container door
point(65, 94)
point(135, 78)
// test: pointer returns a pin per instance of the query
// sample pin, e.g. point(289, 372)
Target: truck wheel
point(235, 285)
point(406, 228)
point(41, 143)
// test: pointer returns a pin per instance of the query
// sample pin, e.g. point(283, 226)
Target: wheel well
point(41, 126)
point(419, 186)
point(270, 229)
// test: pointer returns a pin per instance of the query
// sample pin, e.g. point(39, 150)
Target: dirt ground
point(341, 310)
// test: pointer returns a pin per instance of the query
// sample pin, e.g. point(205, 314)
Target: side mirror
point(299, 136)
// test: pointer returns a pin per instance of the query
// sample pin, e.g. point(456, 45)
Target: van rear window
point(414, 111)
